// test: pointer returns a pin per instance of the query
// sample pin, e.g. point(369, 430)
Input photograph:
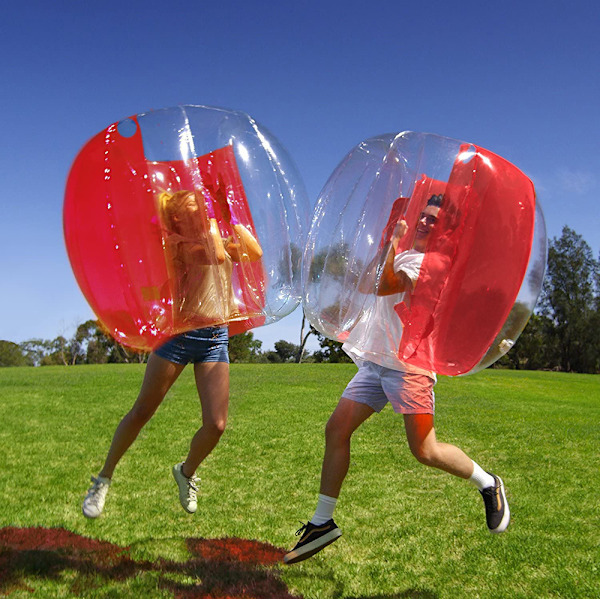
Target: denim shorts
point(375, 386)
point(209, 344)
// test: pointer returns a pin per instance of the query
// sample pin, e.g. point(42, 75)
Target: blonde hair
point(169, 206)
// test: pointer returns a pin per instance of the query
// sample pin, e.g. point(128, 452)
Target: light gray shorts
point(375, 386)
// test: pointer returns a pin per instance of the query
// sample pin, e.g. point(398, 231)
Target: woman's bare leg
point(212, 381)
point(159, 377)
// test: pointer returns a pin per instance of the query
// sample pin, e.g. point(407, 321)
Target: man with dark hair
point(383, 378)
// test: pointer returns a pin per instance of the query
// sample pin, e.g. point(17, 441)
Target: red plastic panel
point(473, 267)
point(115, 239)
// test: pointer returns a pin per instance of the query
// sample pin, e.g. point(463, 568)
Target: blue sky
point(521, 79)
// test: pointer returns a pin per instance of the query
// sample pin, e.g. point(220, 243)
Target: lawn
point(408, 531)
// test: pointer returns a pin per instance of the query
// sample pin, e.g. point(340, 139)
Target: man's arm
point(379, 277)
point(392, 282)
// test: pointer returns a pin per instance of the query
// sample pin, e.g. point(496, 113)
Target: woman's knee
point(215, 427)
point(141, 412)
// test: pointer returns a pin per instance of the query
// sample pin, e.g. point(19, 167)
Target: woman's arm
point(217, 240)
point(209, 251)
point(246, 248)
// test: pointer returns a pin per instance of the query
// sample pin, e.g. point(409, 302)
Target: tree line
point(563, 334)
point(91, 344)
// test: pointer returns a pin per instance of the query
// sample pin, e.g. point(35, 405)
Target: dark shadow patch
point(218, 568)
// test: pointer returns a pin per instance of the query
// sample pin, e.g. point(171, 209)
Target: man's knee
point(337, 432)
point(425, 453)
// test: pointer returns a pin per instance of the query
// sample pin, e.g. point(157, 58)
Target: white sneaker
point(187, 489)
point(96, 495)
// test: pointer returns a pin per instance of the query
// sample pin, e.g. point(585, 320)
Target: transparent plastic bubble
point(480, 258)
point(182, 218)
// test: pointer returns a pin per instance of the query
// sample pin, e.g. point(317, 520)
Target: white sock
point(480, 478)
point(325, 508)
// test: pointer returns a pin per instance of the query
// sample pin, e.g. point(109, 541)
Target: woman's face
point(187, 216)
point(190, 206)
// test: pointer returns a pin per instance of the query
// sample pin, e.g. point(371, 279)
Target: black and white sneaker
point(314, 538)
point(497, 513)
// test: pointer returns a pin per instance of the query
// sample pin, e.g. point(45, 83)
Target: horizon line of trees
point(563, 334)
point(92, 345)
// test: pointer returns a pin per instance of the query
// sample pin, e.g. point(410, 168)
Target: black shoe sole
point(312, 548)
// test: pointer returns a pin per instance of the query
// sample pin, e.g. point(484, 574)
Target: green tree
point(91, 343)
point(36, 349)
point(597, 282)
point(595, 321)
point(287, 351)
point(568, 300)
point(290, 264)
point(102, 347)
point(532, 350)
point(271, 356)
point(120, 354)
point(59, 352)
point(244, 348)
point(11, 355)
point(331, 351)
point(331, 261)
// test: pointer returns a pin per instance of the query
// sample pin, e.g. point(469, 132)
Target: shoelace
point(490, 495)
point(192, 487)
point(93, 495)
point(302, 529)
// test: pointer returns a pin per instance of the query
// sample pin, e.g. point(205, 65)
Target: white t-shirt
point(376, 336)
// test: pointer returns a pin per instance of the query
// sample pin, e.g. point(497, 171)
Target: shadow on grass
point(218, 568)
point(410, 593)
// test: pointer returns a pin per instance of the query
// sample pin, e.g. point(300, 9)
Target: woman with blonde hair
point(200, 269)
point(200, 260)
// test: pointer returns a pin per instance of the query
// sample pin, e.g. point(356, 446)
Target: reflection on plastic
point(482, 267)
point(184, 218)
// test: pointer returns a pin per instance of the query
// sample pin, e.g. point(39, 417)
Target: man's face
point(426, 222)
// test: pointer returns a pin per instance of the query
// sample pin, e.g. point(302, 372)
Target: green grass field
point(409, 531)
